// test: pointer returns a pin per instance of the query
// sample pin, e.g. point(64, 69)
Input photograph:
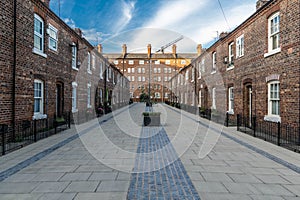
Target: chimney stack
point(149, 50)
point(222, 35)
point(124, 51)
point(78, 31)
point(260, 3)
point(99, 48)
point(46, 2)
point(199, 49)
point(174, 47)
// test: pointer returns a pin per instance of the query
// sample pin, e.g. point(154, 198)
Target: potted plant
point(151, 118)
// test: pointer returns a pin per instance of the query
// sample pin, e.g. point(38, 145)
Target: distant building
point(136, 67)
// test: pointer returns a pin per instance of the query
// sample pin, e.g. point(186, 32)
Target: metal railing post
point(3, 130)
point(238, 121)
point(227, 119)
point(254, 126)
point(69, 119)
point(279, 133)
point(34, 130)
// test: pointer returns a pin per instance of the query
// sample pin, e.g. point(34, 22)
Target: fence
point(27, 132)
point(280, 134)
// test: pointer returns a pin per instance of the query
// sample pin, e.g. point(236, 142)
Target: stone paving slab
point(233, 169)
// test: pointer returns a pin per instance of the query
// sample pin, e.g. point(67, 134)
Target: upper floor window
point(141, 62)
point(193, 74)
point(74, 56)
point(273, 31)
point(155, 70)
point(89, 62)
point(139, 70)
point(143, 70)
point(38, 34)
point(132, 70)
point(240, 46)
point(168, 62)
point(53, 37)
point(93, 61)
point(101, 70)
point(116, 62)
point(214, 61)
point(169, 70)
point(183, 62)
point(157, 62)
point(230, 55)
point(129, 70)
point(159, 70)
point(130, 62)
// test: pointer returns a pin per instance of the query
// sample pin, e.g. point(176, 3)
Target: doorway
point(59, 99)
point(248, 104)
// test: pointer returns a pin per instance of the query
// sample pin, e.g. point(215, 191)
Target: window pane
point(37, 105)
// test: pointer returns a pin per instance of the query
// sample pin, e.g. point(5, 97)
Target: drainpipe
point(14, 70)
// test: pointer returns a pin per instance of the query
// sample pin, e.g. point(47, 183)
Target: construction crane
point(162, 49)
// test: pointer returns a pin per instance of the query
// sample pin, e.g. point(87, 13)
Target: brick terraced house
point(253, 71)
point(48, 69)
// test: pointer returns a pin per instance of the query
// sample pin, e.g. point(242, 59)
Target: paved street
point(116, 158)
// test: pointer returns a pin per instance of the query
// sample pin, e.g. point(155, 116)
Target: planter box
point(151, 119)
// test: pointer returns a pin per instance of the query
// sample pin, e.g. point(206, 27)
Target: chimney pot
point(100, 48)
point(46, 2)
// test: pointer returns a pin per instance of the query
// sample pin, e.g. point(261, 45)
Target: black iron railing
point(27, 132)
point(280, 134)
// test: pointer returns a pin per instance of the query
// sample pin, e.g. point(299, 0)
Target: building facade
point(150, 69)
point(253, 70)
point(48, 69)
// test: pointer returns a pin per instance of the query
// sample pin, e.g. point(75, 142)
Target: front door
point(248, 105)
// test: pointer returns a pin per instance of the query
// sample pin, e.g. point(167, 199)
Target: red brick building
point(254, 70)
point(159, 68)
point(48, 69)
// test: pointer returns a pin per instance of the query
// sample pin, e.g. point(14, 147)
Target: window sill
point(230, 112)
point(35, 51)
point(74, 110)
point(89, 106)
point(39, 116)
point(76, 69)
point(272, 118)
point(89, 71)
point(199, 78)
point(213, 72)
point(273, 52)
point(230, 68)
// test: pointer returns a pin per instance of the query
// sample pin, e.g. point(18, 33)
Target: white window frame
point(271, 116)
point(214, 106)
point(131, 62)
point(274, 35)
point(132, 78)
point(40, 113)
point(168, 62)
point(89, 95)
point(132, 70)
point(230, 56)
point(155, 70)
point(89, 63)
point(143, 70)
point(53, 38)
point(39, 35)
point(231, 100)
point(193, 74)
point(139, 70)
point(116, 62)
point(101, 70)
point(129, 70)
point(200, 98)
point(169, 70)
point(143, 78)
point(74, 97)
point(183, 62)
point(93, 61)
point(157, 62)
point(159, 70)
point(141, 62)
point(214, 61)
point(240, 46)
point(139, 78)
point(74, 56)
point(158, 79)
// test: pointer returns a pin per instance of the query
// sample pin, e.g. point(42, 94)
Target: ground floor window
point(74, 97)
point(89, 95)
point(274, 99)
point(230, 100)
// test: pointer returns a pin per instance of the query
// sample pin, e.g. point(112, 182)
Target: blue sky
point(139, 22)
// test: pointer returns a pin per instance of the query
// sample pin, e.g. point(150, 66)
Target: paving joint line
point(18, 167)
point(247, 145)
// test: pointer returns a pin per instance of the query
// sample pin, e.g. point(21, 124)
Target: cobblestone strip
point(249, 146)
point(14, 169)
point(155, 175)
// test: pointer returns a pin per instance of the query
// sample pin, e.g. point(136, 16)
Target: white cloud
point(70, 22)
point(192, 19)
point(127, 13)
